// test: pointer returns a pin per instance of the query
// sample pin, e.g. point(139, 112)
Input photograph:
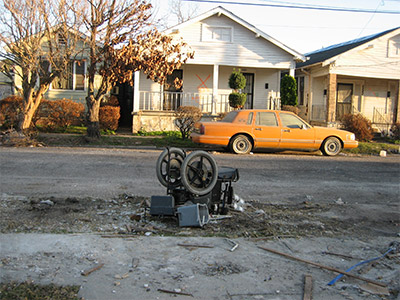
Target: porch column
point(215, 88)
point(136, 122)
point(397, 104)
point(292, 72)
point(331, 98)
point(136, 93)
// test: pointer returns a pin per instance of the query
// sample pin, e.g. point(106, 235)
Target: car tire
point(241, 144)
point(176, 158)
point(199, 173)
point(331, 146)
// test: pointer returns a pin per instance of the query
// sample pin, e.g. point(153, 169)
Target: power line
point(323, 8)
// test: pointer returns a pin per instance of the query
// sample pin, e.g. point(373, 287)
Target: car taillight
point(202, 129)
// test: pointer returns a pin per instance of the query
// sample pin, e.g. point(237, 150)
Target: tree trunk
point(31, 104)
point(93, 128)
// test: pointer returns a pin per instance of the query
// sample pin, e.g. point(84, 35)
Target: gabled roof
point(323, 54)
point(222, 11)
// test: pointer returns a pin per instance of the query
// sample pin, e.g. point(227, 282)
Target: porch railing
point(318, 112)
point(170, 101)
point(382, 120)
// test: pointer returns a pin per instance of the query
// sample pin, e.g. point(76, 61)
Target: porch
point(381, 118)
point(155, 111)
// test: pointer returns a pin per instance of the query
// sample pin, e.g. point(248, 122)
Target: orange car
point(243, 130)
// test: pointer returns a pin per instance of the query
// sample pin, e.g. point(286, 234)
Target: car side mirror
point(303, 126)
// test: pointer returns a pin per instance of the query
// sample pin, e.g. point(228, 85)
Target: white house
point(222, 42)
point(359, 76)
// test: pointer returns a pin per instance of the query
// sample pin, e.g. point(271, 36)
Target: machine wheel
point(199, 173)
point(172, 178)
point(331, 146)
point(241, 144)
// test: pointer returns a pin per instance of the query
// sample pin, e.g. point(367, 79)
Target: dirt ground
point(129, 214)
point(304, 228)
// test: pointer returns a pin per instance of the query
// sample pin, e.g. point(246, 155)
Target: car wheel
point(331, 146)
point(199, 173)
point(171, 178)
point(241, 144)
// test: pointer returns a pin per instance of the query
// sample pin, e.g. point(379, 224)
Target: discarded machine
point(195, 186)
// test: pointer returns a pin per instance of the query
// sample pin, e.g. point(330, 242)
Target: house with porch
point(359, 76)
point(222, 42)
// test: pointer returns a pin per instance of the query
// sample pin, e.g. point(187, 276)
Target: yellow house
point(359, 76)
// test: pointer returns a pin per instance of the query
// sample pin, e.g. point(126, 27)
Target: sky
point(303, 30)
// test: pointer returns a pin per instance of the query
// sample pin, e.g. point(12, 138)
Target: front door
point(344, 99)
point(249, 90)
point(172, 94)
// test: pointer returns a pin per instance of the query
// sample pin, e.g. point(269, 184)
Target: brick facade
point(331, 98)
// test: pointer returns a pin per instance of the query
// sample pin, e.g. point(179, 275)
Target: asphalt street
point(274, 178)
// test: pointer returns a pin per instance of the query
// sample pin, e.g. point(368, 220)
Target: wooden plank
point(324, 267)
point(91, 270)
point(308, 287)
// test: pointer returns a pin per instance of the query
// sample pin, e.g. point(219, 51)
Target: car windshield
point(230, 117)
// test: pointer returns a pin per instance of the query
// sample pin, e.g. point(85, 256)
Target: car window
point(230, 117)
point(291, 121)
point(250, 119)
point(266, 119)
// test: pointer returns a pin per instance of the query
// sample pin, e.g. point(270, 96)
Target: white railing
point(274, 103)
point(381, 117)
point(170, 101)
point(318, 112)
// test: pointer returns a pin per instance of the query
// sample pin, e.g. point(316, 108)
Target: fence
point(170, 101)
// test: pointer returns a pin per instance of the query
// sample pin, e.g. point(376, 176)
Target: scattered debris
point(308, 287)
point(174, 292)
point(375, 289)
point(324, 267)
point(195, 246)
point(235, 245)
point(91, 270)
point(47, 202)
point(338, 254)
point(339, 201)
point(332, 282)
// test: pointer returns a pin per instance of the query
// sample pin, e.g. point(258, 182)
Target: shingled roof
point(331, 51)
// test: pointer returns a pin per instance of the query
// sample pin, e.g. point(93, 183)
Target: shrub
point(108, 117)
point(10, 108)
point(396, 131)
point(237, 82)
point(60, 113)
point(288, 90)
point(110, 101)
point(291, 108)
point(237, 100)
point(359, 125)
point(186, 116)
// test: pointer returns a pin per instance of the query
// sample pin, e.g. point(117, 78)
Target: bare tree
point(38, 40)
point(182, 11)
point(121, 43)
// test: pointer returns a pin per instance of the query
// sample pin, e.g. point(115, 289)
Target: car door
point(266, 131)
point(296, 134)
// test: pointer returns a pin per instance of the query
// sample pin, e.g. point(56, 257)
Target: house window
point(217, 34)
point(394, 48)
point(74, 79)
